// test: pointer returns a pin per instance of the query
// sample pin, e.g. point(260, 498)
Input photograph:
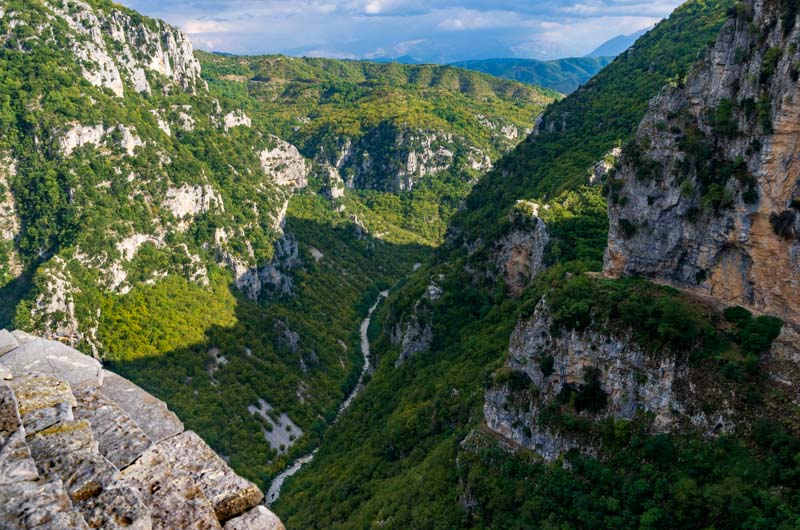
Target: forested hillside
point(216, 240)
point(517, 388)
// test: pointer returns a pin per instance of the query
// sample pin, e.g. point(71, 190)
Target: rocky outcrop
point(708, 197)
point(189, 201)
point(79, 135)
point(285, 164)
point(392, 159)
point(271, 278)
point(81, 447)
point(624, 379)
point(519, 254)
point(414, 334)
point(236, 118)
point(114, 50)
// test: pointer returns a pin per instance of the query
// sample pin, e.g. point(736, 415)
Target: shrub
point(547, 365)
point(737, 315)
point(628, 228)
point(783, 224)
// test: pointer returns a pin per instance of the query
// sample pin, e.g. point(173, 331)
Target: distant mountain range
point(562, 75)
point(617, 45)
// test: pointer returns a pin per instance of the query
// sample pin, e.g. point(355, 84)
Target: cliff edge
point(81, 447)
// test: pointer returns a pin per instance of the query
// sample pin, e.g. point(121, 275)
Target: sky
point(429, 30)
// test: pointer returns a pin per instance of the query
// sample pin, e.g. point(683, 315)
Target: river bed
point(275, 488)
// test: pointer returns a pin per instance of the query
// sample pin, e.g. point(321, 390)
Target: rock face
point(708, 197)
point(79, 135)
point(84, 448)
point(632, 380)
point(236, 118)
point(519, 255)
point(414, 333)
point(189, 201)
point(133, 51)
point(285, 164)
point(394, 160)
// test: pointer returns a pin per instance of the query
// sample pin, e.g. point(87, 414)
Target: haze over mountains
point(438, 31)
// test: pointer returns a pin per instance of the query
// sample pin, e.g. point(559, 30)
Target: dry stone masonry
point(81, 447)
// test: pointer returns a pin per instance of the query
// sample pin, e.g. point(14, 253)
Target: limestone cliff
point(81, 447)
point(113, 48)
point(707, 196)
point(394, 159)
point(153, 187)
point(600, 374)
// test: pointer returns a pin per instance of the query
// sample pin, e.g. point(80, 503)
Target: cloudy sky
point(431, 30)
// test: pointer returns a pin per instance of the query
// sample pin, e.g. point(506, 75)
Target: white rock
point(188, 201)
point(259, 518)
point(8, 342)
point(235, 119)
point(285, 164)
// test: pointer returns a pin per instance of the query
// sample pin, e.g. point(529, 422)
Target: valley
point(416, 296)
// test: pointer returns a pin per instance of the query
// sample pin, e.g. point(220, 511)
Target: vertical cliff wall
point(707, 197)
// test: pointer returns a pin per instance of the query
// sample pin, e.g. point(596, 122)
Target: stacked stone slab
point(81, 447)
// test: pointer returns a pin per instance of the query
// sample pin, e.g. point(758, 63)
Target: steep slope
point(707, 194)
point(171, 229)
point(562, 75)
point(435, 461)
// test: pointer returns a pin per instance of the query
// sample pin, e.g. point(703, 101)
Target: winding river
point(275, 488)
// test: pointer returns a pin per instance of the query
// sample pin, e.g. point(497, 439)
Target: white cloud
point(204, 26)
point(450, 29)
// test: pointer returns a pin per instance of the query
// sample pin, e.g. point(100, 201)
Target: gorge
point(397, 296)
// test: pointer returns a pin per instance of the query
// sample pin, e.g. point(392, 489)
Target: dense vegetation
point(562, 75)
point(431, 465)
point(147, 289)
point(579, 130)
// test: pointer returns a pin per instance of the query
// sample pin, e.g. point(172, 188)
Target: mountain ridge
point(562, 75)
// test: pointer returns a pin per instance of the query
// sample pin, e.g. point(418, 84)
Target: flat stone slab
point(175, 500)
point(56, 359)
point(116, 508)
point(8, 341)
point(258, 518)
point(43, 401)
point(16, 463)
point(68, 450)
point(150, 414)
point(38, 505)
point(119, 437)
point(23, 337)
point(187, 453)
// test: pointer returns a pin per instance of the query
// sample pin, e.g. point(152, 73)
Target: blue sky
point(432, 30)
